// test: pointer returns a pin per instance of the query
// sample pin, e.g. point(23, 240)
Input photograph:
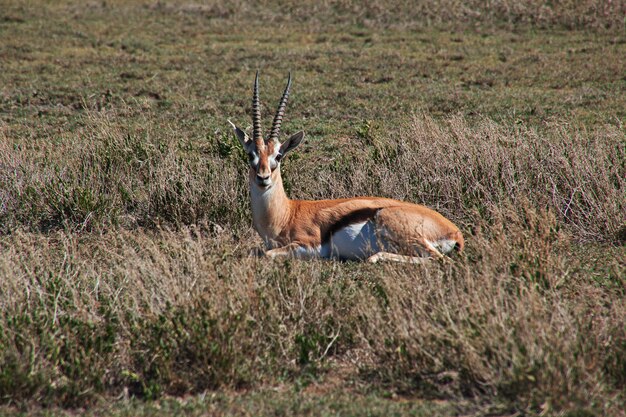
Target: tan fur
point(351, 227)
point(285, 222)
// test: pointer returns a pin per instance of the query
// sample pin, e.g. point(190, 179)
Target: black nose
point(262, 177)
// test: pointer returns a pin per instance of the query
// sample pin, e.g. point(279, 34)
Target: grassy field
point(126, 285)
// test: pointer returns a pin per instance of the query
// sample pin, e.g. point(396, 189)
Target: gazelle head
point(265, 155)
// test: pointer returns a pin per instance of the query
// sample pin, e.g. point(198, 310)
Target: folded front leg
point(293, 250)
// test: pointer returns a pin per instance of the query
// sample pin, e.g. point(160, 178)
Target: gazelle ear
point(241, 135)
point(290, 144)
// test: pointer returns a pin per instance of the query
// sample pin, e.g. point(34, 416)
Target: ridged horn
point(256, 113)
point(278, 118)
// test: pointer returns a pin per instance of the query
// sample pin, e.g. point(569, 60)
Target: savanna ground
point(126, 287)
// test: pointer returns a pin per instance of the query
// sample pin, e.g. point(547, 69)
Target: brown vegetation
point(524, 315)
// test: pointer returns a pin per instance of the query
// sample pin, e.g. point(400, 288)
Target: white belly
point(357, 241)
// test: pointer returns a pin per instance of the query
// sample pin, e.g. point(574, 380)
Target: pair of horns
point(256, 113)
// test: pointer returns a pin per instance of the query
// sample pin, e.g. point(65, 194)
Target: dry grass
point(471, 173)
point(104, 305)
point(104, 176)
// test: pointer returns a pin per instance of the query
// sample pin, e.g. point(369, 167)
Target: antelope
point(360, 228)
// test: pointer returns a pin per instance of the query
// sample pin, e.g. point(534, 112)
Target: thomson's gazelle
point(363, 228)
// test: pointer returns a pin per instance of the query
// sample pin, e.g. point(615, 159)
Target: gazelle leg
point(293, 250)
point(432, 251)
point(394, 257)
point(282, 251)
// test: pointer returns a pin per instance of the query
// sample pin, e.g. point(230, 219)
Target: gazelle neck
point(270, 208)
